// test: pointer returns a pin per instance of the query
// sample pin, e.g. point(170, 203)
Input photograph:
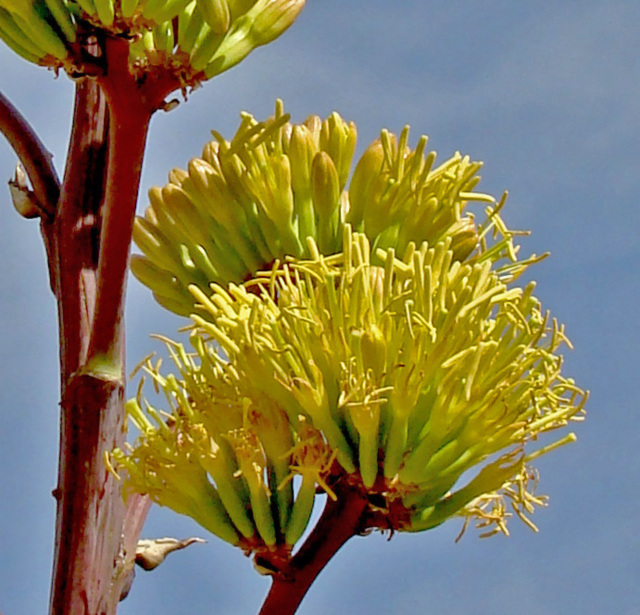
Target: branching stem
point(89, 247)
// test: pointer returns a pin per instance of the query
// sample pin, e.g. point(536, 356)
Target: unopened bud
point(325, 187)
point(273, 20)
point(301, 152)
point(216, 14)
point(374, 350)
point(364, 183)
point(338, 139)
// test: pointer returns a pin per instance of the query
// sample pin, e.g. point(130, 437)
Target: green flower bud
point(239, 7)
point(365, 190)
point(261, 24)
point(373, 348)
point(39, 34)
point(217, 14)
point(301, 152)
point(338, 139)
point(271, 18)
point(325, 186)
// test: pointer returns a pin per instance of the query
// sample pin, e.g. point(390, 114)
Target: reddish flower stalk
point(90, 237)
point(131, 106)
point(340, 520)
point(90, 563)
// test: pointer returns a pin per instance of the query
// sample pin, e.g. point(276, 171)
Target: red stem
point(95, 542)
point(340, 520)
point(87, 255)
point(75, 234)
point(129, 122)
point(90, 510)
point(131, 105)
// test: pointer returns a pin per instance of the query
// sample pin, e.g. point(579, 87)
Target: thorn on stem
point(150, 553)
point(23, 199)
point(170, 105)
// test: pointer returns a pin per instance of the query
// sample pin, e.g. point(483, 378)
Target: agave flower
point(401, 364)
point(258, 198)
point(192, 40)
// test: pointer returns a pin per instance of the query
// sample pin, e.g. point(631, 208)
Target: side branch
point(36, 160)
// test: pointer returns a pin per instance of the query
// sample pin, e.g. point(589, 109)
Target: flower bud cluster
point(193, 39)
point(254, 200)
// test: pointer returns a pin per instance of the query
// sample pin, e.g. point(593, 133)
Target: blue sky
point(547, 94)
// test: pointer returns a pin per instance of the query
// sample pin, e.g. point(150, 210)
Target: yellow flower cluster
point(390, 354)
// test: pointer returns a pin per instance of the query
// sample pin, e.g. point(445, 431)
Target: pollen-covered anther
point(313, 458)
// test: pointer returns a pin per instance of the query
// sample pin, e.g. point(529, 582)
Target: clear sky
point(547, 93)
